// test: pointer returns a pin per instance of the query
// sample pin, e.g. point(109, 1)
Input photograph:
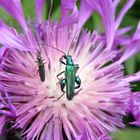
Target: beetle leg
point(59, 81)
point(59, 75)
point(63, 83)
point(34, 70)
point(61, 60)
point(60, 96)
point(76, 93)
point(76, 66)
point(78, 82)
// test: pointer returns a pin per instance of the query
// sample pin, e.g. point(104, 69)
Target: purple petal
point(127, 6)
point(39, 4)
point(133, 46)
point(137, 123)
point(134, 107)
point(10, 105)
point(8, 38)
point(133, 78)
point(66, 8)
point(123, 31)
point(131, 49)
point(83, 136)
point(137, 33)
point(14, 8)
point(2, 122)
point(121, 38)
point(84, 13)
point(49, 14)
point(3, 50)
point(115, 3)
point(104, 137)
point(106, 10)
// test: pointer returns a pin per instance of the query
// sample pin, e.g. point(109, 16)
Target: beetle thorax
point(69, 60)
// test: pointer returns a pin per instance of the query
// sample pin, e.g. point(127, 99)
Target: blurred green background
point(132, 65)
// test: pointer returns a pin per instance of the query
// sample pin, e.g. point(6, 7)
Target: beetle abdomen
point(41, 71)
point(70, 86)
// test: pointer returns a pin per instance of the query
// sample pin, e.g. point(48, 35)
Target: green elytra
point(70, 76)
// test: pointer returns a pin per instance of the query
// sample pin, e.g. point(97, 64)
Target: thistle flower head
point(35, 78)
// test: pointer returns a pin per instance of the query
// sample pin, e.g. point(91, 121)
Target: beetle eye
point(65, 56)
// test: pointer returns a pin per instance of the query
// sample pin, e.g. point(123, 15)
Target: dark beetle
point(41, 67)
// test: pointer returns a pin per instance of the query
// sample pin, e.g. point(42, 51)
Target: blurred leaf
point(138, 57)
point(94, 23)
point(5, 16)
point(56, 14)
point(127, 134)
point(29, 8)
point(130, 65)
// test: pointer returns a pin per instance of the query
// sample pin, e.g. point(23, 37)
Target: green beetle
point(70, 76)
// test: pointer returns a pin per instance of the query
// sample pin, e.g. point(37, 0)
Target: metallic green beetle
point(70, 76)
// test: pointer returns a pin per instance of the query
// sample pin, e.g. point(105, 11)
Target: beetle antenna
point(40, 49)
point(55, 49)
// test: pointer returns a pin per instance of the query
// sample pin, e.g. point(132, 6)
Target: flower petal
point(123, 31)
point(133, 78)
point(130, 51)
point(137, 123)
point(133, 46)
point(8, 38)
point(127, 6)
point(84, 13)
point(39, 4)
point(2, 122)
point(134, 107)
point(115, 3)
point(3, 50)
point(104, 137)
point(137, 33)
point(14, 8)
point(66, 8)
point(106, 10)
point(121, 38)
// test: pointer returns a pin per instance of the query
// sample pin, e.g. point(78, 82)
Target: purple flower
point(37, 106)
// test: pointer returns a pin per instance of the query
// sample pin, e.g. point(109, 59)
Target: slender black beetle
point(41, 65)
